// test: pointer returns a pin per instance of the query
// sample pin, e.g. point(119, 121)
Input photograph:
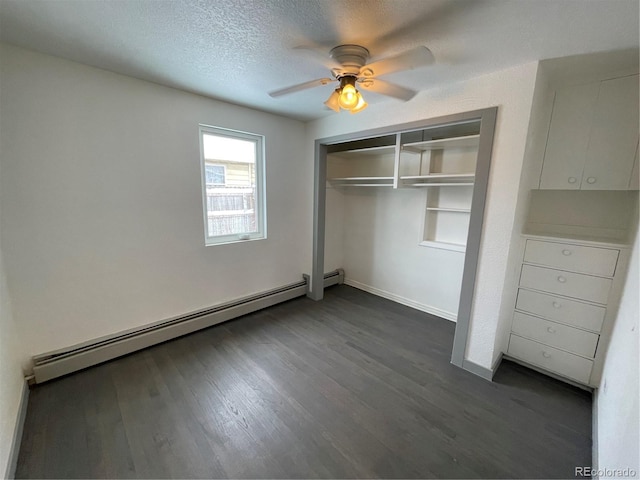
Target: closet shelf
point(454, 247)
point(437, 177)
point(468, 141)
point(453, 184)
point(380, 150)
point(438, 180)
point(445, 209)
point(361, 181)
point(363, 185)
point(354, 179)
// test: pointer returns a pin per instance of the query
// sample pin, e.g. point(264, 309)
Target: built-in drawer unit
point(561, 309)
point(566, 294)
point(576, 285)
point(555, 334)
point(552, 359)
point(574, 258)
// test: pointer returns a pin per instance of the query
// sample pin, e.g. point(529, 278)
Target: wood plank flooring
point(354, 386)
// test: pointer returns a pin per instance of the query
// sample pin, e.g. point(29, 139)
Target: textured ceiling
point(238, 50)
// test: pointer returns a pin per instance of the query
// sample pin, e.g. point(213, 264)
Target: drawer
point(577, 285)
point(561, 309)
point(552, 359)
point(590, 260)
point(555, 334)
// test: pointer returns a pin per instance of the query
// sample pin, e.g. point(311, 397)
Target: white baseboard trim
point(17, 433)
point(497, 363)
point(547, 373)
point(484, 372)
point(476, 369)
point(404, 301)
point(62, 362)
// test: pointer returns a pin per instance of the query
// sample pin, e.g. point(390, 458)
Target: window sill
point(234, 240)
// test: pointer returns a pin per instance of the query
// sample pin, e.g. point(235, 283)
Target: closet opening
point(401, 209)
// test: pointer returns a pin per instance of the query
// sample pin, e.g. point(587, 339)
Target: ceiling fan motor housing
point(351, 57)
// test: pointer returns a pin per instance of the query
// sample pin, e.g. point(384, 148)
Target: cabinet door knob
point(566, 252)
point(556, 305)
point(591, 180)
point(546, 355)
point(551, 330)
point(572, 180)
point(561, 279)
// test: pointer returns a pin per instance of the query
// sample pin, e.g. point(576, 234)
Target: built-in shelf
point(454, 247)
point(363, 185)
point(455, 184)
point(438, 179)
point(437, 176)
point(381, 150)
point(361, 181)
point(595, 239)
point(468, 141)
point(444, 209)
point(357, 179)
point(444, 162)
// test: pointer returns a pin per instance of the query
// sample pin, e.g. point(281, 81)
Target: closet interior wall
point(398, 226)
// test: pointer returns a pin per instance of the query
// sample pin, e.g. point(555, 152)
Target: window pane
point(230, 170)
point(215, 174)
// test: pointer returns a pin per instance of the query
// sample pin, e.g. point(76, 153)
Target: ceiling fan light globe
point(333, 101)
point(361, 105)
point(348, 97)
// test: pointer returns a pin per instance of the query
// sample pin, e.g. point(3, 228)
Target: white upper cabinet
point(568, 137)
point(614, 136)
point(593, 136)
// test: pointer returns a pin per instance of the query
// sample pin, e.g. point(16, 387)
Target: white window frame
point(260, 201)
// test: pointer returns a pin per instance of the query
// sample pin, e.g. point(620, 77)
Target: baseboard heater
point(62, 362)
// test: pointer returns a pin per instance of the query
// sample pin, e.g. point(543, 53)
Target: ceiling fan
point(349, 67)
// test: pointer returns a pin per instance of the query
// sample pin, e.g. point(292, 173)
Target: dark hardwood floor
point(352, 386)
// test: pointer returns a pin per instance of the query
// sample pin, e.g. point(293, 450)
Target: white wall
point(618, 394)
point(381, 229)
point(512, 91)
point(540, 117)
point(376, 232)
point(101, 205)
point(11, 377)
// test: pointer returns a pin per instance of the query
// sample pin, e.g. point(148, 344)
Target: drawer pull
point(546, 355)
point(551, 330)
point(566, 252)
point(591, 180)
point(572, 180)
point(556, 305)
point(562, 279)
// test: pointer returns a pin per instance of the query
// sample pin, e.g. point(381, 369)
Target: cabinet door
point(568, 139)
point(614, 136)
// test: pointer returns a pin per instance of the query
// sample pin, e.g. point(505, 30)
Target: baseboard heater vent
point(62, 362)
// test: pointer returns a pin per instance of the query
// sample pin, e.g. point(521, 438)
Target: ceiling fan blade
point(319, 55)
point(388, 89)
point(301, 86)
point(437, 18)
point(409, 60)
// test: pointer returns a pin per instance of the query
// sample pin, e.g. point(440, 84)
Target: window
point(232, 185)
point(215, 174)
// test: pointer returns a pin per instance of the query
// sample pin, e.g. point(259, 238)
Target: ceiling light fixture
point(332, 101)
point(346, 96)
